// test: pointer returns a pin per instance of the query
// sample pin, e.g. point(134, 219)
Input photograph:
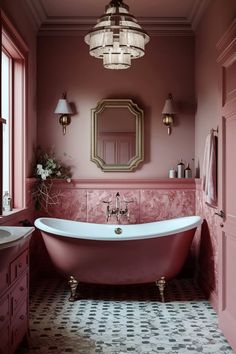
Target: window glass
point(6, 88)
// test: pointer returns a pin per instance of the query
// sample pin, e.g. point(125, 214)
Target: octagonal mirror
point(117, 142)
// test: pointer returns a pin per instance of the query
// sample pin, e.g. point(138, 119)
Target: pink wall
point(205, 248)
point(214, 23)
point(168, 66)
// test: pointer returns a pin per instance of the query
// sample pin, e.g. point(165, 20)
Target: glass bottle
point(6, 201)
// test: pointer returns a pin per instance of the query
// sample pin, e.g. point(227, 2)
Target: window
point(6, 89)
point(13, 112)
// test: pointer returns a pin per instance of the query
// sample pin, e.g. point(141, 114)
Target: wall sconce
point(63, 108)
point(169, 112)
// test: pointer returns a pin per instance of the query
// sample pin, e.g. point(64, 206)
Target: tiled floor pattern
point(119, 320)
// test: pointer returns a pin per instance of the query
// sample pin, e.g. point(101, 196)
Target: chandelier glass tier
point(117, 37)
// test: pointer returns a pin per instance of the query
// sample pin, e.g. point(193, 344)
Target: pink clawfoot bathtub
point(118, 254)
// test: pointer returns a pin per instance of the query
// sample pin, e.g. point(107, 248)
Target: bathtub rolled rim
point(106, 232)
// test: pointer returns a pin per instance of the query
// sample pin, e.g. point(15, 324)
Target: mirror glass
point(117, 135)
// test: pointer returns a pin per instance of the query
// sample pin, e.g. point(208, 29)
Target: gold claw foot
point(161, 283)
point(73, 283)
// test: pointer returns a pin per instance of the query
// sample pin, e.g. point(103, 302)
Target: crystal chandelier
point(117, 37)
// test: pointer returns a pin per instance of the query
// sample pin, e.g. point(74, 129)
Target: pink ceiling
point(139, 8)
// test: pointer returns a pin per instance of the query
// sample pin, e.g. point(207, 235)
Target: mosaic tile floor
point(119, 320)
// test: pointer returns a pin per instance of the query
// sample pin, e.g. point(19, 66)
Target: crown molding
point(197, 11)
point(227, 37)
point(166, 26)
point(76, 25)
point(37, 11)
point(155, 26)
point(226, 46)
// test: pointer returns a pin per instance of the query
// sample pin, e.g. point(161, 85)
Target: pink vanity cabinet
point(14, 294)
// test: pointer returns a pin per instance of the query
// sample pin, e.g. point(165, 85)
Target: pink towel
point(209, 170)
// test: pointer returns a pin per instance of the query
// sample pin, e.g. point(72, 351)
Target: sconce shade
point(63, 107)
point(169, 107)
point(117, 37)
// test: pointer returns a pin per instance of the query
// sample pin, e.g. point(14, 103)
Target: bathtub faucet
point(117, 210)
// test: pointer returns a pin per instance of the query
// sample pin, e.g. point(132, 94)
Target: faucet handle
point(106, 201)
point(128, 201)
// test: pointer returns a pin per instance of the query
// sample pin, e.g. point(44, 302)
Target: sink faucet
point(117, 211)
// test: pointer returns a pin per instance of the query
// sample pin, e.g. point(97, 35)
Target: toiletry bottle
point(188, 172)
point(6, 202)
point(180, 169)
point(172, 173)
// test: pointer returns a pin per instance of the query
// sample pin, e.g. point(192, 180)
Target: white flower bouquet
point(47, 169)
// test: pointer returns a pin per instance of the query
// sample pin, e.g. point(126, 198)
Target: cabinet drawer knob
point(22, 317)
point(20, 265)
point(22, 288)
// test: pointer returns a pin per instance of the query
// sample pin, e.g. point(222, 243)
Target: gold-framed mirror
point(117, 135)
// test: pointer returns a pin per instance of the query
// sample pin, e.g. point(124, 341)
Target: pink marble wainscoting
point(166, 204)
point(72, 204)
point(157, 200)
point(204, 248)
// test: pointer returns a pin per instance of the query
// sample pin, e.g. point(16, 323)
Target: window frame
point(14, 46)
point(9, 119)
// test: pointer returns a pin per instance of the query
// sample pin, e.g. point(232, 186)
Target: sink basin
point(4, 234)
point(12, 235)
